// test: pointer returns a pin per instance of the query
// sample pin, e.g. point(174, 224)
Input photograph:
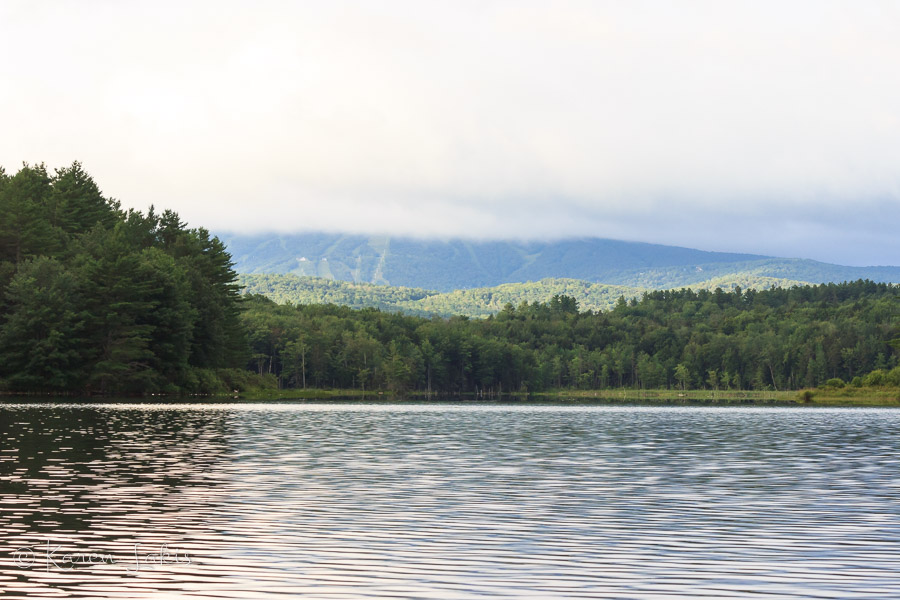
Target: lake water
point(448, 501)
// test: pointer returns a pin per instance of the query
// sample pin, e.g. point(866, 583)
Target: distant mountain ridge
point(471, 302)
point(450, 265)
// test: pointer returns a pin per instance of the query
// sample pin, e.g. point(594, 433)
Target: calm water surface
point(448, 501)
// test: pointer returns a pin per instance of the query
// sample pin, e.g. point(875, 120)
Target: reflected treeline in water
point(410, 501)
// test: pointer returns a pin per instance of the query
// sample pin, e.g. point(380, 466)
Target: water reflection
point(355, 500)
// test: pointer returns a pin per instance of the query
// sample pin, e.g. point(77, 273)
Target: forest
point(472, 302)
point(96, 299)
point(99, 300)
point(778, 339)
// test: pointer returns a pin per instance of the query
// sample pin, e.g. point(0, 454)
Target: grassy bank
point(311, 394)
point(825, 396)
point(856, 396)
point(821, 396)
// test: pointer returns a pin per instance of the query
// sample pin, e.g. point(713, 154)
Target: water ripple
point(447, 501)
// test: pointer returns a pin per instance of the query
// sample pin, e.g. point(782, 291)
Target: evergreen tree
point(95, 299)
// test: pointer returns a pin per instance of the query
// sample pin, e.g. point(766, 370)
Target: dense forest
point(97, 299)
point(475, 302)
point(94, 298)
point(776, 339)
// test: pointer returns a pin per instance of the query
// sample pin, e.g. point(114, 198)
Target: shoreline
point(849, 397)
point(815, 397)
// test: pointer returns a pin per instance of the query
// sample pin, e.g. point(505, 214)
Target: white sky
point(770, 127)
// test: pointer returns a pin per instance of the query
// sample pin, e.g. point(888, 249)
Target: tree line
point(778, 339)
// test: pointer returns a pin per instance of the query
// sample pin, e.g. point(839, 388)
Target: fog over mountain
point(446, 265)
point(748, 126)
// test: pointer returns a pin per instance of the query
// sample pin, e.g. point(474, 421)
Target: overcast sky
point(768, 127)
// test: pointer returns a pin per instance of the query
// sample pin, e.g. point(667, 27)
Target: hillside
point(795, 270)
point(445, 266)
point(477, 302)
point(293, 289)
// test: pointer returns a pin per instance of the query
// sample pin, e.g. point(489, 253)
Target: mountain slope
point(477, 302)
point(459, 264)
point(292, 289)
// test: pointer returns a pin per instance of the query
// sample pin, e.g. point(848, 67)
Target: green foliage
point(682, 375)
point(294, 289)
point(893, 377)
point(96, 299)
point(24, 228)
point(742, 280)
point(835, 382)
point(882, 378)
point(775, 339)
point(43, 333)
point(480, 302)
point(874, 379)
